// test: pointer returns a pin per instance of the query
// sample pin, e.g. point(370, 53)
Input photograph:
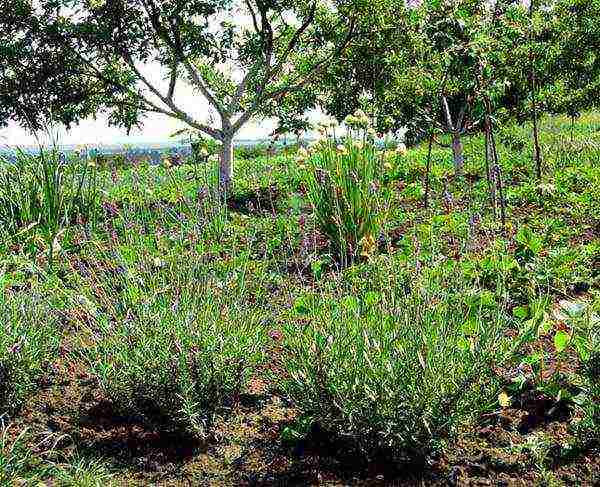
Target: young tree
point(576, 34)
point(73, 58)
point(417, 68)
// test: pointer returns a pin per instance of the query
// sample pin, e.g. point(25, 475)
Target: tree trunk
point(537, 152)
point(489, 166)
point(226, 166)
point(457, 151)
point(498, 176)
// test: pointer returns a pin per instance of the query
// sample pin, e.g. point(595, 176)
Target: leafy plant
point(528, 244)
point(42, 194)
point(397, 370)
point(28, 341)
point(344, 186)
point(28, 459)
point(176, 357)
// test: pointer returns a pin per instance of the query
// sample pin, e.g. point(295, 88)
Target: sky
point(156, 128)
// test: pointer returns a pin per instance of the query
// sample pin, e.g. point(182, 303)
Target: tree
point(418, 70)
point(70, 59)
point(576, 85)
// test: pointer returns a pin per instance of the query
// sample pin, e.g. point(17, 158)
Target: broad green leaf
point(561, 340)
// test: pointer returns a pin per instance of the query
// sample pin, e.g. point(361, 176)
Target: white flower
point(401, 149)
point(546, 188)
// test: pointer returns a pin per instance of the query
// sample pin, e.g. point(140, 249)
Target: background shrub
point(44, 193)
point(344, 186)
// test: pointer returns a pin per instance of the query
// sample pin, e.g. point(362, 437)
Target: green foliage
point(528, 244)
point(253, 151)
point(585, 342)
point(29, 341)
point(576, 69)
point(29, 460)
point(345, 188)
point(173, 306)
point(167, 348)
point(397, 369)
point(43, 194)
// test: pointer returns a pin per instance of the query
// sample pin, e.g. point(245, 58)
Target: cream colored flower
point(350, 120)
point(367, 245)
point(504, 400)
point(547, 188)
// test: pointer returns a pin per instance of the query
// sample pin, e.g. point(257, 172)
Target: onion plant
point(42, 193)
point(346, 190)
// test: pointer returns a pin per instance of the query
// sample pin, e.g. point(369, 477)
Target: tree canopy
point(70, 59)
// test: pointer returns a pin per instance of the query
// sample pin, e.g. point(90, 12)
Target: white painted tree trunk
point(458, 154)
point(226, 165)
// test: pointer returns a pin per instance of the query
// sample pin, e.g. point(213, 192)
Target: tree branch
point(176, 46)
point(294, 40)
point(173, 81)
point(446, 109)
point(295, 85)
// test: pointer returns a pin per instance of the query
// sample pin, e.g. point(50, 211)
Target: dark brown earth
point(521, 445)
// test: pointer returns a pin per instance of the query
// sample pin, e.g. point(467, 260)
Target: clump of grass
point(169, 345)
point(29, 340)
point(585, 339)
point(398, 367)
point(44, 193)
point(17, 459)
point(28, 459)
point(345, 187)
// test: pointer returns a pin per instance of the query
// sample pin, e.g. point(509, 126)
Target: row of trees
point(434, 67)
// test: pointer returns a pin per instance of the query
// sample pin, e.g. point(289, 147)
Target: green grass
point(168, 306)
